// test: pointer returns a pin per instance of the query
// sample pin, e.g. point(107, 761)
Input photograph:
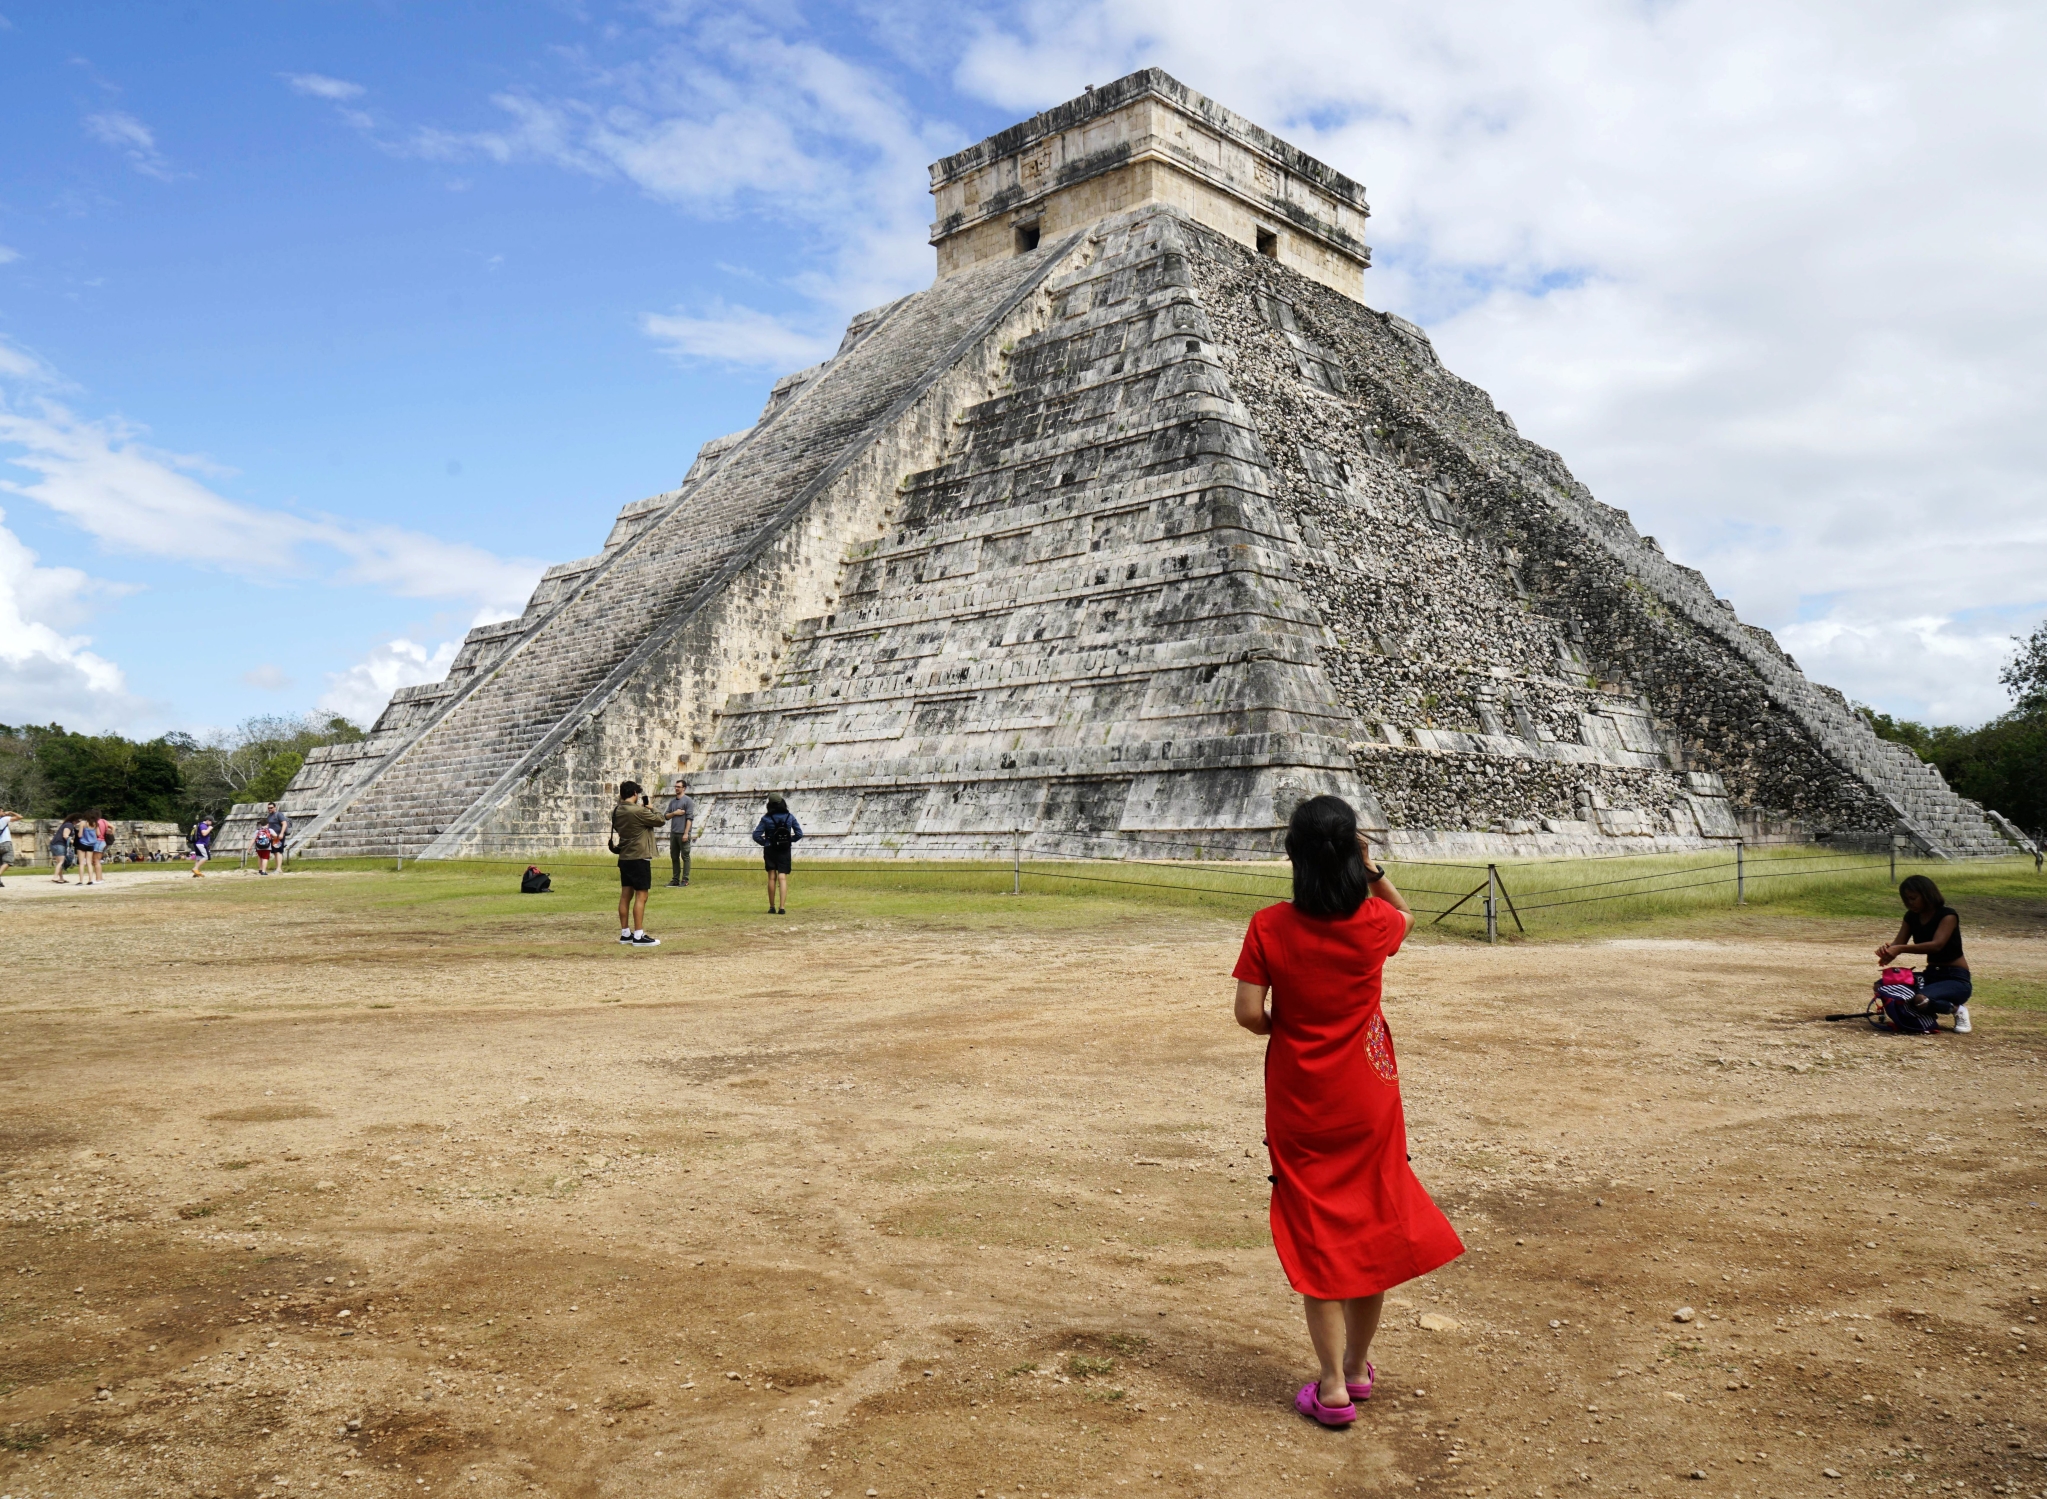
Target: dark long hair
point(1329, 866)
point(776, 806)
point(1925, 889)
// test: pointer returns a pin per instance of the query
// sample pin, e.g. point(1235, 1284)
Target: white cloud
point(47, 675)
point(102, 477)
point(8, 255)
point(268, 677)
point(320, 86)
point(133, 498)
point(1875, 652)
point(18, 364)
point(133, 139)
point(739, 335)
point(363, 689)
point(728, 117)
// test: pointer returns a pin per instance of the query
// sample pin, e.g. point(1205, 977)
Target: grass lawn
point(1558, 900)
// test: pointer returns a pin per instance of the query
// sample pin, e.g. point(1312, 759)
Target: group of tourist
point(634, 823)
point(266, 844)
point(1349, 1219)
point(80, 842)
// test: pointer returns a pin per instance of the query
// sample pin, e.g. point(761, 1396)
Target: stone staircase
point(444, 751)
point(1083, 624)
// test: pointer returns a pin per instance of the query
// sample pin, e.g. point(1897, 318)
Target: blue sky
point(323, 327)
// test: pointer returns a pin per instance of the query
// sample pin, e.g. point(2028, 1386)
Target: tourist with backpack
point(633, 825)
point(62, 851)
point(263, 845)
point(1349, 1219)
point(1934, 928)
point(777, 833)
point(202, 845)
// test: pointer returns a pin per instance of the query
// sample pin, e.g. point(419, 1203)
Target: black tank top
point(1922, 931)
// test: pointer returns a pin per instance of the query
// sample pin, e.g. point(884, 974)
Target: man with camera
point(633, 825)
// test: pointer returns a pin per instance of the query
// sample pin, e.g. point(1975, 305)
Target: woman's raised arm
point(1383, 886)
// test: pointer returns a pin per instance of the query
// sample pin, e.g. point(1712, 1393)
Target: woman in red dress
point(1348, 1217)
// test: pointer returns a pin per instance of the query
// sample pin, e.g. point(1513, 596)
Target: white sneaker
point(1961, 1020)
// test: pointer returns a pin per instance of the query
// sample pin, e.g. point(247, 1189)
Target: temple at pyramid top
point(1149, 138)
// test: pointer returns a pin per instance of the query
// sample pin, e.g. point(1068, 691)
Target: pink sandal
point(1309, 1403)
point(1364, 1391)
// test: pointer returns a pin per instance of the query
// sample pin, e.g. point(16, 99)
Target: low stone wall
point(132, 840)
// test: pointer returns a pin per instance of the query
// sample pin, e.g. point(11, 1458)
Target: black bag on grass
point(534, 882)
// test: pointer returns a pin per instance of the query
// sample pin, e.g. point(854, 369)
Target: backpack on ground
point(1894, 1009)
point(534, 881)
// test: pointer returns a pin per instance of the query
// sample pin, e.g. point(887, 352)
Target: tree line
point(48, 771)
point(2003, 763)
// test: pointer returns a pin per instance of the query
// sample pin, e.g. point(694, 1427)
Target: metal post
point(1492, 903)
point(1018, 888)
point(1894, 858)
point(1740, 875)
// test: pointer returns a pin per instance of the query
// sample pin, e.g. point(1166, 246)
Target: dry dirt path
point(857, 1210)
point(33, 884)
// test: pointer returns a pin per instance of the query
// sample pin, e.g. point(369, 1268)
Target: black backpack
point(533, 882)
point(779, 837)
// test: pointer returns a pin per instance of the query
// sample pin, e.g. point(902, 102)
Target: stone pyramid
point(1133, 529)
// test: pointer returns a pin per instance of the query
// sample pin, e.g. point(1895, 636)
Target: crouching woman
point(1349, 1220)
point(1934, 928)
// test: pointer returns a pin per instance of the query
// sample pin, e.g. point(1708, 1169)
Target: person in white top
point(7, 822)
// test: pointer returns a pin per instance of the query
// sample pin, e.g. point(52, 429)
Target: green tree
point(2026, 673)
point(257, 759)
point(275, 775)
point(117, 776)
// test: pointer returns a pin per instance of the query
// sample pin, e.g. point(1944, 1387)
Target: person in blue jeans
point(1934, 928)
point(777, 833)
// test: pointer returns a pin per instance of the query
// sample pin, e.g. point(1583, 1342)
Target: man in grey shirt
point(682, 816)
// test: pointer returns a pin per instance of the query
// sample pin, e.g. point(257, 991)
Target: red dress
point(1348, 1217)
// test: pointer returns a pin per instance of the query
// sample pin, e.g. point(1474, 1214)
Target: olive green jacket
point(635, 827)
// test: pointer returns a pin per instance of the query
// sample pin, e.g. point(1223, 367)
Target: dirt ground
point(857, 1209)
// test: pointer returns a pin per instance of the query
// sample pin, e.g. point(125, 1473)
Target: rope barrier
point(1646, 884)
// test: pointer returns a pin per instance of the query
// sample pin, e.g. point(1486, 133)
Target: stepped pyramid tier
point(1132, 530)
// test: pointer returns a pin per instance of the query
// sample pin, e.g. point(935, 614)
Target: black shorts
point(636, 874)
point(777, 860)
